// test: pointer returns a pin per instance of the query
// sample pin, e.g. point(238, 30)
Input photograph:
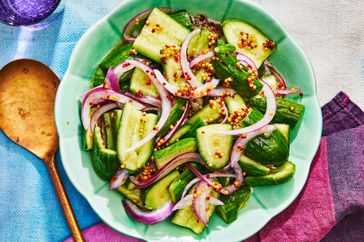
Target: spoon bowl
point(27, 94)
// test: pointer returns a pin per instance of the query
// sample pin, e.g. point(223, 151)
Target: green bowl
point(265, 202)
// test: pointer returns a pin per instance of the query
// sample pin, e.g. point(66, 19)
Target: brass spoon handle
point(62, 196)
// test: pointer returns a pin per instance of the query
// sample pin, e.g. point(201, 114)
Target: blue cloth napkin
point(29, 207)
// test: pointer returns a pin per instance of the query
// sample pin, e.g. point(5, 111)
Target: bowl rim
point(256, 7)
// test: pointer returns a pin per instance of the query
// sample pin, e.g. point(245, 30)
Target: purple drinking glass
point(26, 12)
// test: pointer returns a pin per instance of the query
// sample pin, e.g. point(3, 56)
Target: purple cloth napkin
point(331, 205)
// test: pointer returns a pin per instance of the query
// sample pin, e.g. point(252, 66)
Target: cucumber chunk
point(186, 217)
point(234, 103)
point(209, 113)
point(199, 43)
point(87, 139)
point(179, 133)
point(110, 134)
point(193, 128)
point(133, 195)
point(252, 167)
point(118, 113)
point(288, 112)
point(158, 194)
point(104, 161)
point(133, 127)
point(214, 148)
point(174, 116)
point(183, 18)
point(284, 129)
point(140, 83)
point(233, 204)
point(234, 31)
point(151, 41)
point(280, 175)
point(177, 186)
point(163, 156)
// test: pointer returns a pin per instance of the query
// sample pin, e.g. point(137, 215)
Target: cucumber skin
point(195, 125)
point(233, 203)
point(252, 167)
point(283, 113)
point(281, 175)
point(104, 169)
point(183, 18)
point(109, 131)
point(177, 186)
point(87, 140)
point(134, 195)
point(175, 115)
point(228, 69)
point(271, 150)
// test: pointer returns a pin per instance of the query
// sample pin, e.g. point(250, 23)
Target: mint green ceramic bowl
point(265, 203)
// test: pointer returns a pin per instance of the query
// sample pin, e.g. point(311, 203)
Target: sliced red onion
point(230, 189)
point(200, 202)
point(215, 201)
point(123, 67)
point(287, 91)
point(99, 112)
point(112, 81)
point(179, 160)
point(187, 72)
point(119, 179)
point(148, 217)
point(201, 57)
point(189, 185)
point(267, 118)
point(96, 95)
point(276, 73)
point(146, 99)
point(129, 27)
point(89, 92)
point(202, 90)
point(246, 61)
point(195, 105)
point(166, 104)
point(170, 88)
point(184, 202)
point(240, 143)
point(178, 124)
point(221, 91)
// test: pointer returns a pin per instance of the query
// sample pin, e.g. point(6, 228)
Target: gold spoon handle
point(62, 196)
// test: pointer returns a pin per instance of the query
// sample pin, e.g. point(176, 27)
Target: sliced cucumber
point(133, 127)
point(233, 203)
point(140, 83)
point(271, 81)
point(252, 167)
point(174, 116)
point(157, 195)
point(134, 195)
point(177, 186)
point(183, 18)
point(179, 133)
point(87, 139)
point(151, 40)
point(199, 43)
point(208, 113)
point(194, 126)
point(284, 129)
point(118, 113)
point(186, 217)
point(173, 70)
point(233, 30)
point(103, 160)
point(280, 175)
point(163, 156)
point(234, 103)
point(214, 148)
point(109, 123)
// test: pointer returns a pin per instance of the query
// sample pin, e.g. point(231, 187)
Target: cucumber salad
point(186, 115)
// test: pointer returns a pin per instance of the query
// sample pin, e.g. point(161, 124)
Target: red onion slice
point(146, 99)
point(184, 202)
point(166, 104)
point(179, 160)
point(276, 73)
point(246, 61)
point(148, 217)
point(100, 94)
point(287, 91)
point(221, 91)
point(99, 112)
point(178, 124)
point(240, 143)
point(187, 72)
point(230, 189)
point(189, 185)
point(215, 201)
point(112, 81)
point(201, 57)
point(226, 113)
point(267, 118)
point(123, 67)
point(119, 179)
point(200, 202)
point(170, 88)
point(202, 90)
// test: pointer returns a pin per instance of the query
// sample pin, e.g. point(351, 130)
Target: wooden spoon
point(27, 94)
